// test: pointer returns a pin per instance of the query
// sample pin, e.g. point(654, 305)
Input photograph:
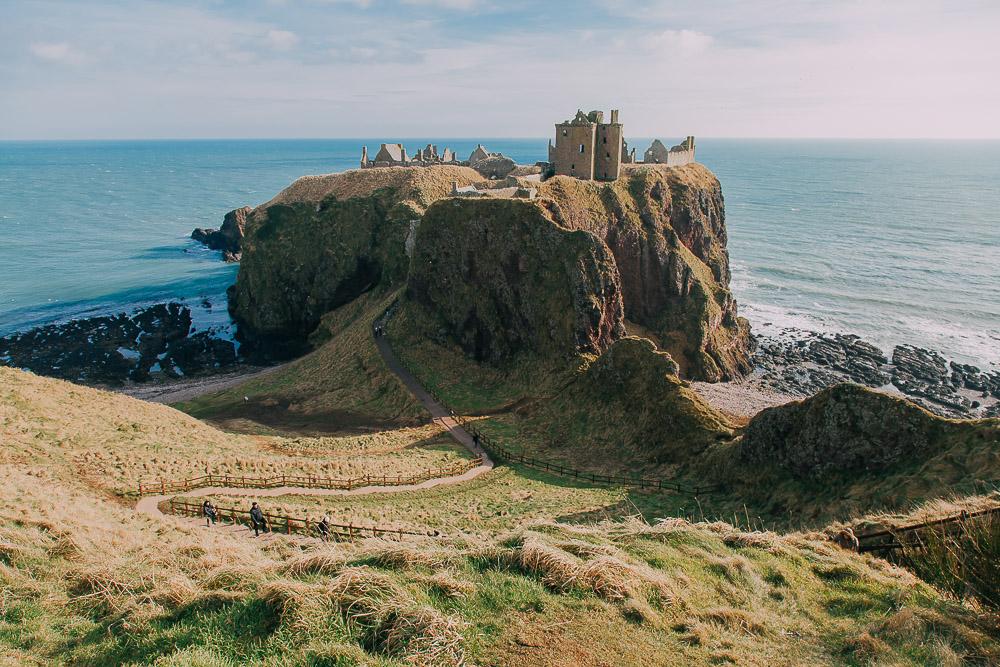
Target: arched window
point(564, 133)
point(581, 148)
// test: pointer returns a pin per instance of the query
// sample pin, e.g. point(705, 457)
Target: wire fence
point(303, 481)
point(288, 525)
point(892, 539)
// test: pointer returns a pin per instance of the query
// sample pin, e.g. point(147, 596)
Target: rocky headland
point(559, 275)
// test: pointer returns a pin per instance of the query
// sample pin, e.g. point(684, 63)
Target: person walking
point(324, 528)
point(257, 519)
point(208, 509)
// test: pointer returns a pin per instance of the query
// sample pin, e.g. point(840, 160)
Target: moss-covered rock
point(629, 411)
point(323, 242)
point(848, 429)
point(501, 279)
point(666, 229)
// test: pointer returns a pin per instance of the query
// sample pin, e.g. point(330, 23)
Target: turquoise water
point(897, 241)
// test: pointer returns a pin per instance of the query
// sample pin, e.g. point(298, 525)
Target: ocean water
point(896, 241)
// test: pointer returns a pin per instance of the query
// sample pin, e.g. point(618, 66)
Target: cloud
point(682, 42)
point(56, 52)
point(463, 5)
point(281, 40)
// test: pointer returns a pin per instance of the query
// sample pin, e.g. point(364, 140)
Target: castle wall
point(679, 158)
point(568, 158)
point(608, 152)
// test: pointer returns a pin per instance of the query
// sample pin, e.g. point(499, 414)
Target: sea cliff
point(565, 273)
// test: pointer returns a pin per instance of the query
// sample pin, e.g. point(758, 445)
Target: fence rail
point(892, 539)
point(304, 481)
point(288, 525)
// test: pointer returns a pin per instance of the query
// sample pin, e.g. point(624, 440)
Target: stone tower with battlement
point(588, 148)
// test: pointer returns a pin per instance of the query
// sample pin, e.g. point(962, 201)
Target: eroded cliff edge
point(561, 274)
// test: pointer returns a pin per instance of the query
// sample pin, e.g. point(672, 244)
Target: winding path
point(439, 415)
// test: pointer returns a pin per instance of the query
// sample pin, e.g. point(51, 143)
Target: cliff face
point(666, 230)
point(229, 237)
point(499, 278)
point(555, 276)
point(323, 242)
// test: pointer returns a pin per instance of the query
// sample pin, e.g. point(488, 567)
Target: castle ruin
point(681, 154)
point(589, 149)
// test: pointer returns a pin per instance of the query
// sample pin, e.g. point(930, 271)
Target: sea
point(895, 241)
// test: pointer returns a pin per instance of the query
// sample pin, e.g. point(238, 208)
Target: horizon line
point(487, 138)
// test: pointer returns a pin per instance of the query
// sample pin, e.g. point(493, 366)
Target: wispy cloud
point(281, 40)
point(57, 52)
point(490, 68)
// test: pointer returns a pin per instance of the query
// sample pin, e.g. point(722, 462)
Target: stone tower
point(588, 148)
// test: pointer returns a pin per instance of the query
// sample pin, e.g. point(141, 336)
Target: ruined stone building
point(681, 154)
point(588, 148)
point(394, 155)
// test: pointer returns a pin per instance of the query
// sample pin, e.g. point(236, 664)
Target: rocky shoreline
point(800, 363)
point(154, 342)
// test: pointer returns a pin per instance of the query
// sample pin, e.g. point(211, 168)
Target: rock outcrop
point(500, 278)
point(848, 429)
point(156, 341)
point(629, 407)
point(229, 237)
point(666, 229)
point(324, 241)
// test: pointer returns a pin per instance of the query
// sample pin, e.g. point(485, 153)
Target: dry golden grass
point(115, 441)
point(422, 185)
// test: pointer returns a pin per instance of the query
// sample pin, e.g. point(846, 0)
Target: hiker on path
point(257, 519)
point(324, 528)
point(208, 509)
point(475, 440)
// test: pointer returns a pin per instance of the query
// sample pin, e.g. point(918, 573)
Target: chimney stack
point(614, 116)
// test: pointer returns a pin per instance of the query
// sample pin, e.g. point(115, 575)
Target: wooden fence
point(892, 539)
point(288, 525)
point(304, 481)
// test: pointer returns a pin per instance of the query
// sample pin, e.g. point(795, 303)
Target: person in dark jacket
point(208, 509)
point(324, 528)
point(257, 519)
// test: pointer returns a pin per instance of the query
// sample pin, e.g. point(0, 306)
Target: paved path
point(439, 414)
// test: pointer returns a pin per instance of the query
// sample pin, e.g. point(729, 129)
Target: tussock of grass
point(736, 620)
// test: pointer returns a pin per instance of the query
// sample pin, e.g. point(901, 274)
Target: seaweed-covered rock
point(666, 229)
point(500, 278)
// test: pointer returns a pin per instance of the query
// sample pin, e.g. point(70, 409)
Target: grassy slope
point(88, 581)
point(638, 427)
point(114, 441)
point(342, 382)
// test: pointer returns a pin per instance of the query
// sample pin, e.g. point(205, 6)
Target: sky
point(112, 69)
